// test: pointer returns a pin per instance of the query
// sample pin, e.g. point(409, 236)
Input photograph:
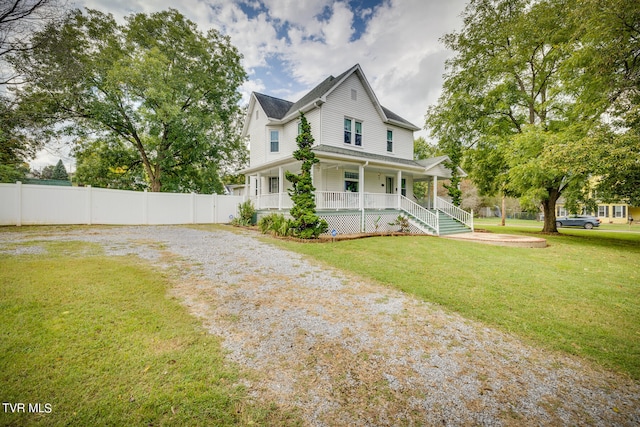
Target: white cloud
point(399, 50)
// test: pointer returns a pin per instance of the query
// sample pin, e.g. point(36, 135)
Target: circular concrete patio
point(501, 239)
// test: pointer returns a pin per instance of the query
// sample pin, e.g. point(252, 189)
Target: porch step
point(449, 225)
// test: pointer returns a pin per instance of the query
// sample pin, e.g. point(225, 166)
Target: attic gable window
point(352, 132)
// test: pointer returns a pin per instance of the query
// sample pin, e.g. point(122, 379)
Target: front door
point(389, 185)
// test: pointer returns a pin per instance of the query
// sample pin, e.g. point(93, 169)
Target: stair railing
point(423, 215)
point(455, 212)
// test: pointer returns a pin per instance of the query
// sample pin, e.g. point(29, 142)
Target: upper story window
point(390, 141)
point(352, 132)
point(275, 141)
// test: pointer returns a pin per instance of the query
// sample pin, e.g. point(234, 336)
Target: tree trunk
point(549, 209)
point(503, 214)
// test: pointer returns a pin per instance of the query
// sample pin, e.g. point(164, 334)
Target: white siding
point(256, 131)
point(374, 131)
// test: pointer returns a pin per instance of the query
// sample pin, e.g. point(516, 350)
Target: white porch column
point(399, 190)
point(280, 186)
point(435, 191)
point(258, 189)
point(361, 195)
point(247, 188)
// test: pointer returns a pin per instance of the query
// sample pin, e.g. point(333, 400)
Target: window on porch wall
point(274, 184)
point(351, 182)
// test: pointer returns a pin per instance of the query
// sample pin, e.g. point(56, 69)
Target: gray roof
point(276, 108)
point(364, 155)
point(393, 116)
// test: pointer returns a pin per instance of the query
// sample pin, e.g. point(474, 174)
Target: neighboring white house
point(365, 176)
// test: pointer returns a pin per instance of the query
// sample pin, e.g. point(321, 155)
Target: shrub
point(275, 224)
point(403, 223)
point(246, 212)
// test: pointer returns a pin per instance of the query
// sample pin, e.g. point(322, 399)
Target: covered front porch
point(363, 187)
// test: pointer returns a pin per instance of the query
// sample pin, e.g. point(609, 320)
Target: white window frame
point(352, 131)
point(603, 211)
point(271, 140)
point(619, 211)
point(353, 178)
point(274, 184)
point(389, 140)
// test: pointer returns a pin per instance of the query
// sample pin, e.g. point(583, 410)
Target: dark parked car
point(585, 221)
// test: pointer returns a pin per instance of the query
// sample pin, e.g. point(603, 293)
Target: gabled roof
point(275, 107)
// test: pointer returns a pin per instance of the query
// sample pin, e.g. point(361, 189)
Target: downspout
point(361, 195)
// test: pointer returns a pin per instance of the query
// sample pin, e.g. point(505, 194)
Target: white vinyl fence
point(44, 204)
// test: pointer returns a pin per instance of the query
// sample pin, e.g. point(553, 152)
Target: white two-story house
point(365, 175)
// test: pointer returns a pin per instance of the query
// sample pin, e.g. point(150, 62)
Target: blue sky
point(289, 46)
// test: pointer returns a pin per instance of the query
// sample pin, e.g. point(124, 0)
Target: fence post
point(145, 207)
point(193, 207)
point(89, 203)
point(214, 210)
point(18, 203)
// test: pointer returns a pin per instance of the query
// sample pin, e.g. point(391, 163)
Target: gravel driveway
point(344, 351)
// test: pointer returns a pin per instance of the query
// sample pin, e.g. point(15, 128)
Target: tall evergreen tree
point(306, 224)
point(60, 172)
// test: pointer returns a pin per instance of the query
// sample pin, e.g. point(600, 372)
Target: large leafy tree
point(155, 85)
point(506, 103)
point(15, 147)
point(18, 20)
point(606, 75)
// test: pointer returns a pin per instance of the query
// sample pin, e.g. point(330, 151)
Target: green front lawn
point(579, 295)
point(95, 340)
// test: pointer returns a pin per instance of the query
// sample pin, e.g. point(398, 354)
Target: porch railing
point(337, 200)
point(272, 201)
point(380, 201)
point(340, 200)
point(423, 215)
point(455, 212)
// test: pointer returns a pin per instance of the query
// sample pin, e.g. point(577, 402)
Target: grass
point(579, 295)
point(95, 340)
